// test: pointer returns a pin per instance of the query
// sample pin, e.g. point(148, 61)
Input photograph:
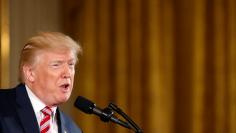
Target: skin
point(51, 78)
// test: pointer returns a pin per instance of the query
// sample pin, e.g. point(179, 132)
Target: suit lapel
point(61, 123)
point(25, 111)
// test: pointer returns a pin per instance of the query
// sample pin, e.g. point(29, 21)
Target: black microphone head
point(84, 105)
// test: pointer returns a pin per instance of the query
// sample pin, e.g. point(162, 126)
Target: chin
point(65, 99)
point(59, 102)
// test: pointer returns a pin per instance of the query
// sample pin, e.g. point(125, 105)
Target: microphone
point(105, 115)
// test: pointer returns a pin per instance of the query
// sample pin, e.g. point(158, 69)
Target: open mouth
point(65, 87)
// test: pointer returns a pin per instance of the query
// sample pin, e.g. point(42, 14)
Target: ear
point(29, 73)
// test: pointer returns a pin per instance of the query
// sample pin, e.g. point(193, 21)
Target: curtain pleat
point(170, 65)
point(231, 71)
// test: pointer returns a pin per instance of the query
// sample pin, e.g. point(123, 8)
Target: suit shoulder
point(7, 101)
point(6, 94)
point(9, 93)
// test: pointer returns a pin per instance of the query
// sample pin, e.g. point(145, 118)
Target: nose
point(67, 71)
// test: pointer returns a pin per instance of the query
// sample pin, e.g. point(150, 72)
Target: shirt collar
point(37, 104)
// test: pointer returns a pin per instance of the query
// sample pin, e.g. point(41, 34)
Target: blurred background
point(169, 64)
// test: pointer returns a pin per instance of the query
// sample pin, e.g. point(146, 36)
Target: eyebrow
point(61, 61)
point(57, 61)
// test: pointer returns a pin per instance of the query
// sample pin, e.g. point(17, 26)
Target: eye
point(72, 64)
point(55, 65)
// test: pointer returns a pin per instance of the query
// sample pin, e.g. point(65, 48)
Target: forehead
point(54, 55)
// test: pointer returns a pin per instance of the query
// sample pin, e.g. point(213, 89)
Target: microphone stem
point(131, 122)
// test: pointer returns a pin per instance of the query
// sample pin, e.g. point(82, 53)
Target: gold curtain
point(4, 44)
point(170, 65)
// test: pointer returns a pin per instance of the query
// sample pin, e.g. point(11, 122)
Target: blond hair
point(46, 41)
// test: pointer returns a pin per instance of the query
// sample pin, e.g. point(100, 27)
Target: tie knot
point(47, 111)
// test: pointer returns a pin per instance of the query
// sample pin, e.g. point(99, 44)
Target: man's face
point(53, 76)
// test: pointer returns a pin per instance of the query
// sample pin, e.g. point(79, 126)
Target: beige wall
point(27, 17)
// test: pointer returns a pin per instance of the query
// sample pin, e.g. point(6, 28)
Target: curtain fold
point(170, 65)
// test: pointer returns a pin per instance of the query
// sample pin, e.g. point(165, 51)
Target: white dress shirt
point(38, 105)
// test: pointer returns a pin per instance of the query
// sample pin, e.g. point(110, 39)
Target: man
point(47, 68)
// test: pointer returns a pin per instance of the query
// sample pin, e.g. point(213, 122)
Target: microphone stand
point(131, 123)
point(107, 115)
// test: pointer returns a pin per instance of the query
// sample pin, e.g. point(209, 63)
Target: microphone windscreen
point(84, 105)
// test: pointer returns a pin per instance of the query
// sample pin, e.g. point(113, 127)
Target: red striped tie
point(45, 122)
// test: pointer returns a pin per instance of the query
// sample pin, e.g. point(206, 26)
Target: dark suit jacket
point(17, 114)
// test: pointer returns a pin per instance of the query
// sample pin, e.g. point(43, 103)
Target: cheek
point(73, 72)
point(72, 75)
point(47, 79)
